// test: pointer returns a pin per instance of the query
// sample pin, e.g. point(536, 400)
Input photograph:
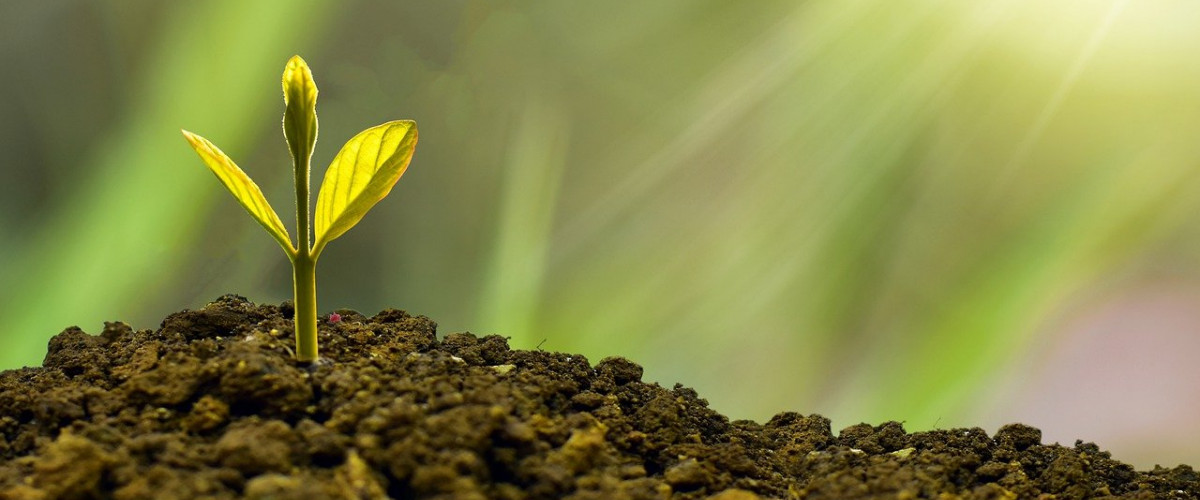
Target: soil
point(212, 405)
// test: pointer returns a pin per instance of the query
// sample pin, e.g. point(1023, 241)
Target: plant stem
point(304, 263)
point(304, 275)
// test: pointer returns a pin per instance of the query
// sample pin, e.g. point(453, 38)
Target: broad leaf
point(244, 189)
point(361, 174)
point(300, 115)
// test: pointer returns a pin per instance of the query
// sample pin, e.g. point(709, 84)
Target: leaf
point(361, 174)
point(244, 189)
point(300, 115)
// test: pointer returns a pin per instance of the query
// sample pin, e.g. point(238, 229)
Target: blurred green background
point(942, 212)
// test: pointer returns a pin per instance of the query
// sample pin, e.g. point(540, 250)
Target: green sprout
point(361, 175)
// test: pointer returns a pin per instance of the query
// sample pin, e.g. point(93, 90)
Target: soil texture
point(212, 405)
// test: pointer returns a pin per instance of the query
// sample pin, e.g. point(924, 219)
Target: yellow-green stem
point(304, 275)
point(304, 262)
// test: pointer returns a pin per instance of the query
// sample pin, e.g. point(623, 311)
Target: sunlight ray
point(1070, 77)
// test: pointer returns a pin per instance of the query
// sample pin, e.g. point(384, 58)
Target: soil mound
point(212, 405)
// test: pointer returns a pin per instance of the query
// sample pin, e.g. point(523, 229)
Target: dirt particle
point(256, 447)
point(588, 400)
point(1018, 437)
point(358, 480)
point(254, 384)
point(633, 471)
point(322, 445)
point(171, 383)
point(735, 494)
point(584, 449)
point(143, 359)
point(71, 467)
point(285, 487)
point(621, 370)
point(207, 414)
point(686, 475)
point(519, 432)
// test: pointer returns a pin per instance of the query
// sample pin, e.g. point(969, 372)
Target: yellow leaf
point(244, 189)
point(361, 174)
point(300, 114)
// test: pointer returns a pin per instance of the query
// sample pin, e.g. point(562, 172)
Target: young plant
point(361, 174)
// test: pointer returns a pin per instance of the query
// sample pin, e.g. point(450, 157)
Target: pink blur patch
point(334, 318)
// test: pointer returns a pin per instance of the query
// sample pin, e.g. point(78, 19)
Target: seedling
point(361, 174)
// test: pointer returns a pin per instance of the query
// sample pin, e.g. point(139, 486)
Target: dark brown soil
point(212, 405)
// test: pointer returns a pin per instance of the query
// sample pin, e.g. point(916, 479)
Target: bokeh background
point(942, 212)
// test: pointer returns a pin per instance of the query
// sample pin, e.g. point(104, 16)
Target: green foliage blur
point(860, 208)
